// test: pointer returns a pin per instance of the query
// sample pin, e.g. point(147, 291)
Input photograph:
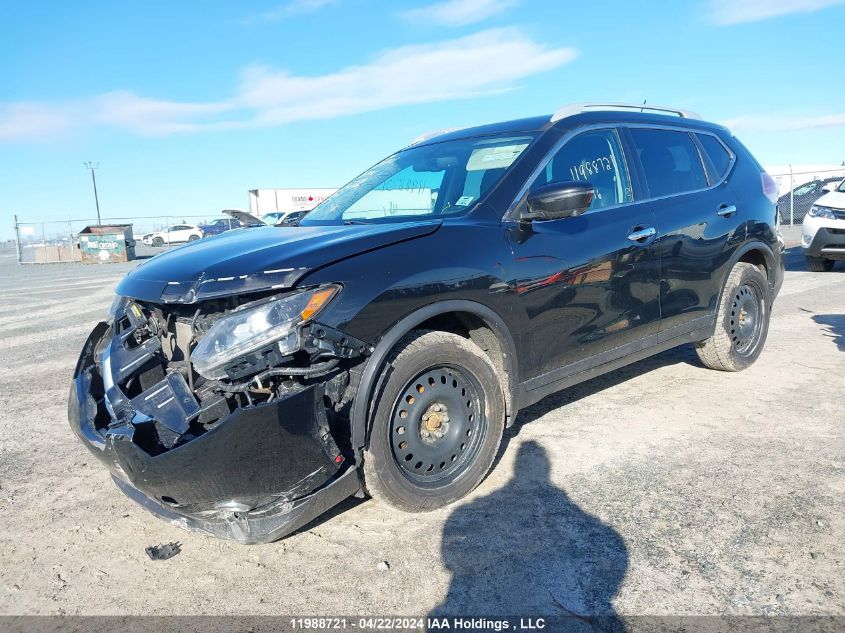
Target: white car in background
point(823, 229)
point(176, 234)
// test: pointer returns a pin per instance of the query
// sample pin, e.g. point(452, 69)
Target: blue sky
point(187, 105)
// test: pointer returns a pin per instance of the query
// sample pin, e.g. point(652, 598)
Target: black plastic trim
point(366, 388)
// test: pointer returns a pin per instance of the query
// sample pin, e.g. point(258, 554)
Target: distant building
point(264, 201)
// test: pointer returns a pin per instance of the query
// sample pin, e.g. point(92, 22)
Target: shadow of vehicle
point(835, 324)
point(683, 354)
point(558, 562)
point(794, 260)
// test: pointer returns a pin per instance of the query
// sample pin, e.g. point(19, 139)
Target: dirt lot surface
point(662, 488)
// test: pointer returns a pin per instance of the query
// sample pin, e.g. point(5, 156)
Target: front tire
point(193, 238)
point(819, 264)
point(742, 322)
point(158, 242)
point(437, 424)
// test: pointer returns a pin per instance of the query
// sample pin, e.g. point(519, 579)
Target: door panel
point(589, 292)
point(695, 225)
point(693, 246)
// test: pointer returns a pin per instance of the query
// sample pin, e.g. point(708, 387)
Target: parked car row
point(238, 219)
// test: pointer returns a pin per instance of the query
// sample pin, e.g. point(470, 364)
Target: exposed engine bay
point(223, 410)
point(153, 385)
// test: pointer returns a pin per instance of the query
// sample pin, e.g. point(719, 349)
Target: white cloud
point(25, 119)
point(485, 63)
point(289, 10)
point(458, 12)
point(781, 123)
point(726, 12)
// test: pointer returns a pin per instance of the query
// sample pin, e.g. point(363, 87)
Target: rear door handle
point(641, 235)
point(726, 210)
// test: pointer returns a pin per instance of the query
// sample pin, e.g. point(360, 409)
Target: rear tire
point(819, 264)
point(437, 424)
point(742, 321)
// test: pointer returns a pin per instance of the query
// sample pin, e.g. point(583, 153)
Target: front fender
point(362, 405)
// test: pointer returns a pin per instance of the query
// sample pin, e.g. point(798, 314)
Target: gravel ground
point(662, 488)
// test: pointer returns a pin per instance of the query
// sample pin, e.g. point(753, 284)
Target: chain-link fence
point(59, 241)
point(798, 190)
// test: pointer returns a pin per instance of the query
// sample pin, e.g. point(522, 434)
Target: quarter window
point(670, 161)
point(594, 157)
point(717, 153)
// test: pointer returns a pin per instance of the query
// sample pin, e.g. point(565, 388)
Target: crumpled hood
point(834, 199)
point(257, 259)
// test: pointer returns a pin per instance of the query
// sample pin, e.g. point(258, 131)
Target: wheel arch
point(467, 315)
point(758, 254)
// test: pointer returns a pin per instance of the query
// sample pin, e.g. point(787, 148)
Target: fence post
point(791, 198)
point(18, 242)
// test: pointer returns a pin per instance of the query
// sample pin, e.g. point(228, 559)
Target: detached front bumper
point(259, 474)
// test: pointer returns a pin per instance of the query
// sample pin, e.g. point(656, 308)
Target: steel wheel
point(438, 424)
point(742, 321)
point(747, 310)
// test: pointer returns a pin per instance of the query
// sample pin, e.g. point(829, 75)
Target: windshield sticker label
point(484, 158)
point(464, 201)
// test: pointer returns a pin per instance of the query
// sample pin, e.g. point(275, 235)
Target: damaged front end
point(227, 416)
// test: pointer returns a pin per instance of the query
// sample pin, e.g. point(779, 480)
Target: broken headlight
point(254, 326)
point(117, 307)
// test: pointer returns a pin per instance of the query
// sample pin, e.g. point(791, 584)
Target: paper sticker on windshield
point(498, 157)
point(464, 201)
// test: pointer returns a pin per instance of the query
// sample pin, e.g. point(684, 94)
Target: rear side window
point(670, 161)
point(719, 156)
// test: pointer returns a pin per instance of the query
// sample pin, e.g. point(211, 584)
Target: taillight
point(770, 187)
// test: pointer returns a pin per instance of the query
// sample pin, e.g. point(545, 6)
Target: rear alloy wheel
point(742, 322)
point(819, 264)
point(438, 423)
point(157, 241)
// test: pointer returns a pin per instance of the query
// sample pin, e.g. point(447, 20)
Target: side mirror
point(831, 186)
point(559, 200)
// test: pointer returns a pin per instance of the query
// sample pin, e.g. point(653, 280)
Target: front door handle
point(726, 210)
point(640, 235)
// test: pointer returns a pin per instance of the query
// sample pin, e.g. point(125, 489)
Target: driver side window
point(594, 157)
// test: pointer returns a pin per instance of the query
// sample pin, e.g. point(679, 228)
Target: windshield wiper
point(348, 222)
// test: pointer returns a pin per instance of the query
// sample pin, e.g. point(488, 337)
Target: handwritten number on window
point(589, 167)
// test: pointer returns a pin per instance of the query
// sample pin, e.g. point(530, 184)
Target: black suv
point(245, 383)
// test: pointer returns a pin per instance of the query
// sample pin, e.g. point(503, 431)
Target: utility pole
point(90, 165)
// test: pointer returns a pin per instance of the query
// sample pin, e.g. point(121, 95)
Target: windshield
point(841, 187)
point(432, 180)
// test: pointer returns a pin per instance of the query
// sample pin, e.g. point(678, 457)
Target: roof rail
point(577, 108)
point(433, 133)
